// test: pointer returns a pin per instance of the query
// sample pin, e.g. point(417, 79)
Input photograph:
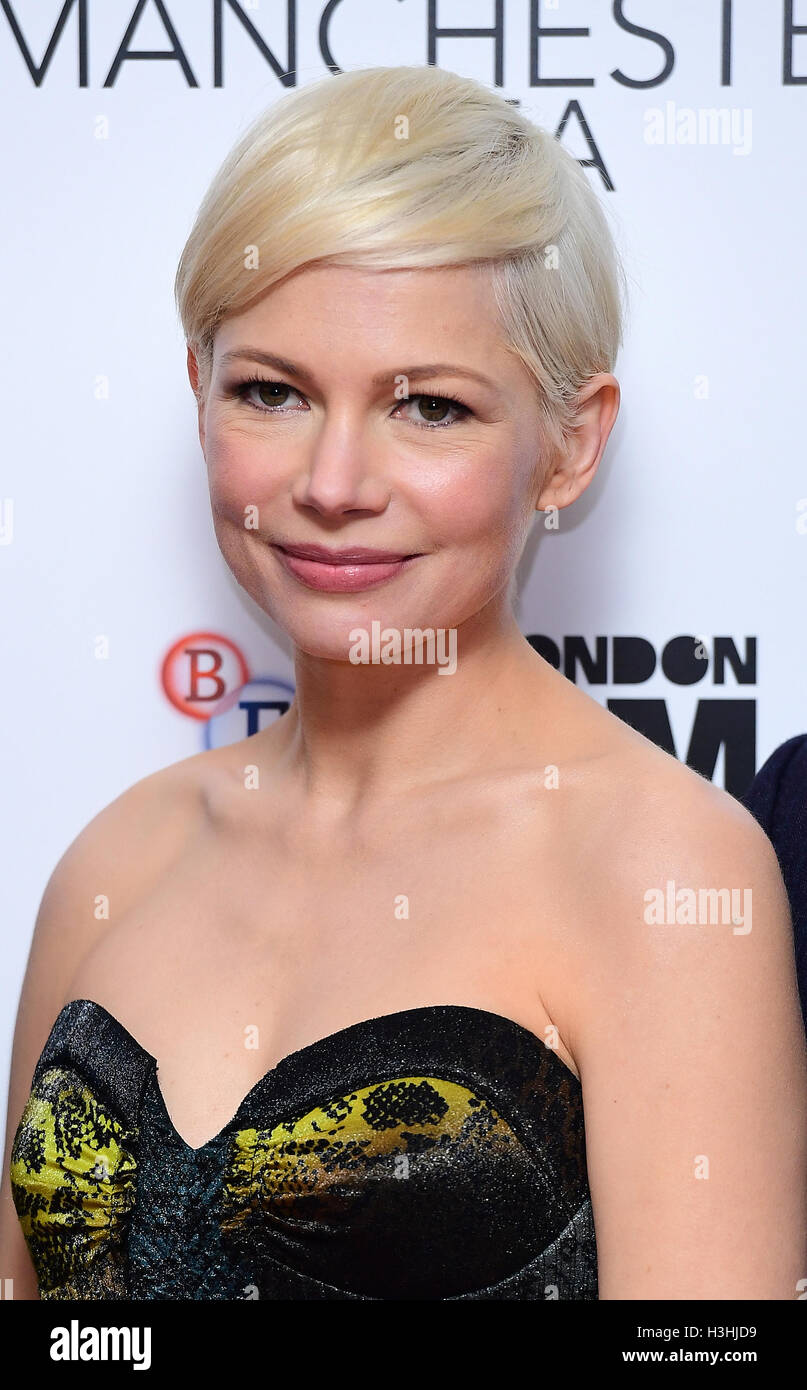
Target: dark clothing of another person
point(777, 798)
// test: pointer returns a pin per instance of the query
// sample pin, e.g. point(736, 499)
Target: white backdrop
point(695, 525)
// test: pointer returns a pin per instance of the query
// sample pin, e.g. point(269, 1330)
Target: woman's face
point(344, 445)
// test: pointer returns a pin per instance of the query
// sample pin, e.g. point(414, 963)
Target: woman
point(418, 1033)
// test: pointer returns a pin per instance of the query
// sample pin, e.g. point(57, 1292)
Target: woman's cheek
point(238, 477)
point(479, 496)
point(486, 520)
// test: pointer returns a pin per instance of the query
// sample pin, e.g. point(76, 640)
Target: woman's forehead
point(394, 320)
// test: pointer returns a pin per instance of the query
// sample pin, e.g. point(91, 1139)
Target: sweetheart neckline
point(271, 1072)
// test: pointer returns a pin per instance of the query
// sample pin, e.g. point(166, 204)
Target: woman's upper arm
point(64, 931)
point(149, 821)
point(694, 1066)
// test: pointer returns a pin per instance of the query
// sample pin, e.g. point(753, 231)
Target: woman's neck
point(354, 732)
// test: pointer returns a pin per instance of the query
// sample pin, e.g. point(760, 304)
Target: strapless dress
point(432, 1153)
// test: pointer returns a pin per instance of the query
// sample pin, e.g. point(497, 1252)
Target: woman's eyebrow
point(434, 369)
point(283, 364)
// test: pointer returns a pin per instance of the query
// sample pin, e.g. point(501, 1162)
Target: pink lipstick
point(345, 571)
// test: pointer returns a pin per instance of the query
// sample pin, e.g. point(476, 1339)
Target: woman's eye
point(270, 393)
point(432, 410)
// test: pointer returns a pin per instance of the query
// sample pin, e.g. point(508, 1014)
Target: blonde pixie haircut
point(391, 167)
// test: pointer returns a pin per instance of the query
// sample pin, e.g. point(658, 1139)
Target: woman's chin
point(332, 641)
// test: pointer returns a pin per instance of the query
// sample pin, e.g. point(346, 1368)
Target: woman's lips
point(352, 571)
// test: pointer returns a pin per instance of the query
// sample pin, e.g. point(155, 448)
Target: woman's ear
point(194, 376)
point(573, 470)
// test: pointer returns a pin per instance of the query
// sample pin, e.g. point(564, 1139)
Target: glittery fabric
point(434, 1153)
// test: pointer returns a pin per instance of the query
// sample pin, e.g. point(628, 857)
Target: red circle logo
point(200, 671)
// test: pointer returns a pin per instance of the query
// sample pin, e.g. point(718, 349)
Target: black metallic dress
point(434, 1153)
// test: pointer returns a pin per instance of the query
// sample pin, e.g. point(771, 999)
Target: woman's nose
point(342, 471)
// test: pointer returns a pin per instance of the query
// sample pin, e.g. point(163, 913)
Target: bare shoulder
point(119, 853)
point(687, 1031)
point(678, 871)
point(138, 834)
point(645, 810)
point(673, 825)
point(117, 856)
